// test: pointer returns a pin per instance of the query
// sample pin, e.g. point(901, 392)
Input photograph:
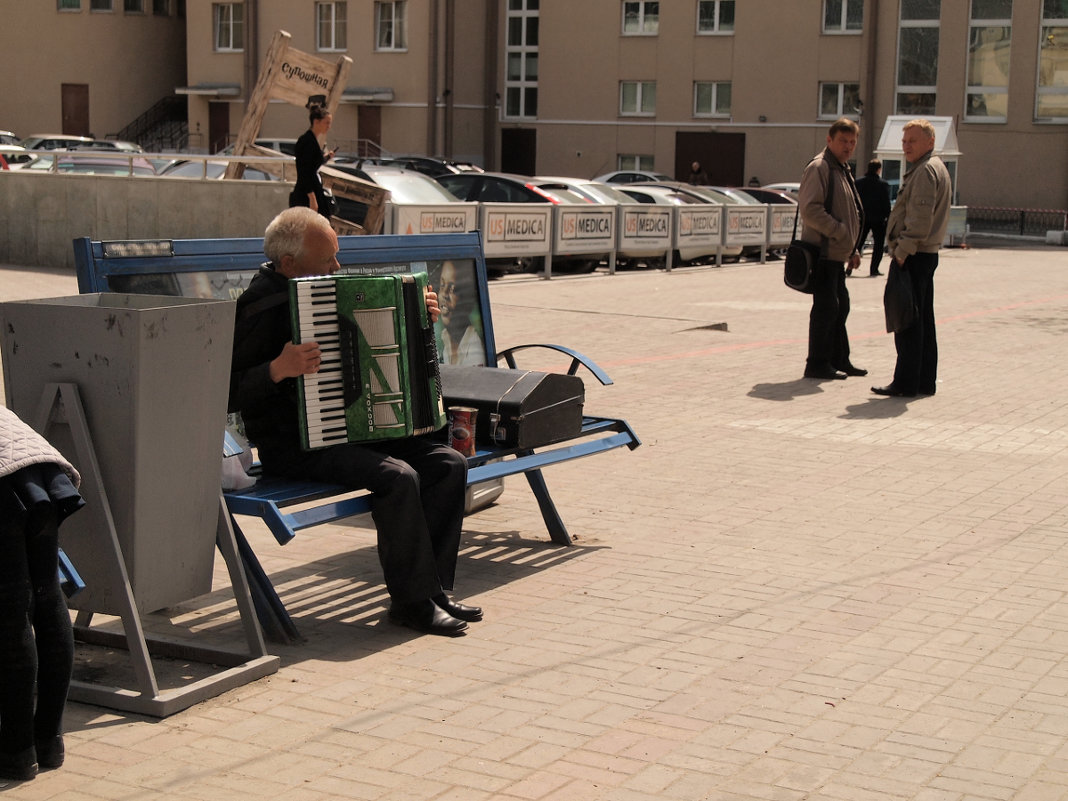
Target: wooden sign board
point(293, 77)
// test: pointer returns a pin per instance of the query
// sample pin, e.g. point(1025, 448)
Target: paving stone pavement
point(793, 590)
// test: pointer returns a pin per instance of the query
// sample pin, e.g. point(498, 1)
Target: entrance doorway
point(74, 99)
point(722, 156)
point(369, 130)
point(218, 126)
point(519, 150)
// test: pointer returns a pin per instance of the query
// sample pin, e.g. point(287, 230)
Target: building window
point(161, 8)
point(391, 25)
point(637, 98)
point(133, 6)
point(917, 57)
point(715, 16)
point(631, 161)
point(989, 44)
point(521, 59)
point(839, 100)
point(69, 5)
point(641, 18)
point(331, 27)
point(712, 99)
point(229, 27)
point(843, 16)
point(100, 5)
point(1051, 101)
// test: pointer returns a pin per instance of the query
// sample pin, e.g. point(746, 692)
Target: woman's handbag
point(899, 303)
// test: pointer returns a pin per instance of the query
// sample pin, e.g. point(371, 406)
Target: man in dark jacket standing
point(831, 213)
point(875, 198)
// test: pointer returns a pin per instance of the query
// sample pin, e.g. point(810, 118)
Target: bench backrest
point(222, 268)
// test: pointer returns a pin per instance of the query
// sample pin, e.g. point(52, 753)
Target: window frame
point(901, 89)
point(133, 6)
point(161, 8)
point(840, 110)
point(843, 29)
point(399, 23)
point(217, 23)
point(523, 18)
point(102, 6)
point(717, 28)
point(642, 18)
point(713, 112)
point(975, 89)
point(640, 93)
point(1046, 27)
point(332, 46)
point(635, 162)
point(68, 6)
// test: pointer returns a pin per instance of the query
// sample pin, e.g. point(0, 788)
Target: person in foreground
point(417, 484)
point(875, 198)
point(831, 215)
point(915, 231)
point(38, 490)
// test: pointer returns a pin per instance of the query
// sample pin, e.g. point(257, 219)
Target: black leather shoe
point(827, 372)
point(472, 614)
point(851, 370)
point(50, 752)
point(427, 617)
point(20, 767)
point(891, 391)
point(874, 273)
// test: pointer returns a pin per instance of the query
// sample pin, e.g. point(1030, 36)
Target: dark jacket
point(261, 330)
point(309, 155)
point(875, 197)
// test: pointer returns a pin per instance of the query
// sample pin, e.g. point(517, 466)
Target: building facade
point(88, 67)
point(745, 87)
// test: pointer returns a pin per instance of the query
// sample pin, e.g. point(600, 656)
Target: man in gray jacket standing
point(831, 211)
point(915, 231)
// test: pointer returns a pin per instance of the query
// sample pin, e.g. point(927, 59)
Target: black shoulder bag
point(802, 257)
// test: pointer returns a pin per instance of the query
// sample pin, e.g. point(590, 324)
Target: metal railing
point(1016, 222)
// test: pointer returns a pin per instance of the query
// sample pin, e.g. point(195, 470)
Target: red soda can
point(462, 422)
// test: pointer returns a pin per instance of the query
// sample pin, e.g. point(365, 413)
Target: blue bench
point(222, 268)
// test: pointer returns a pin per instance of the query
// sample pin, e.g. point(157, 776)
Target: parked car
point(494, 187)
point(594, 191)
point(769, 195)
point(632, 176)
point(13, 157)
point(405, 186)
point(665, 195)
point(789, 188)
point(91, 164)
point(427, 165)
point(8, 138)
point(287, 147)
point(212, 169)
point(55, 141)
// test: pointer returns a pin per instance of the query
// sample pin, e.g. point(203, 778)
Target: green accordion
point(379, 377)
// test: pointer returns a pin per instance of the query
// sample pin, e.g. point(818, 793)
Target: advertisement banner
point(516, 229)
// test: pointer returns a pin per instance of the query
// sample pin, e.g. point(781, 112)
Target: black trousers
point(877, 228)
point(917, 346)
point(36, 640)
point(828, 343)
point(418, 505)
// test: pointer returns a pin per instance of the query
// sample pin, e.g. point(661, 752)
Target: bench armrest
point(577, 360)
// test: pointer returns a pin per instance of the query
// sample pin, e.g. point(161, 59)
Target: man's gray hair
point(923, 125)
point(285, 233)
